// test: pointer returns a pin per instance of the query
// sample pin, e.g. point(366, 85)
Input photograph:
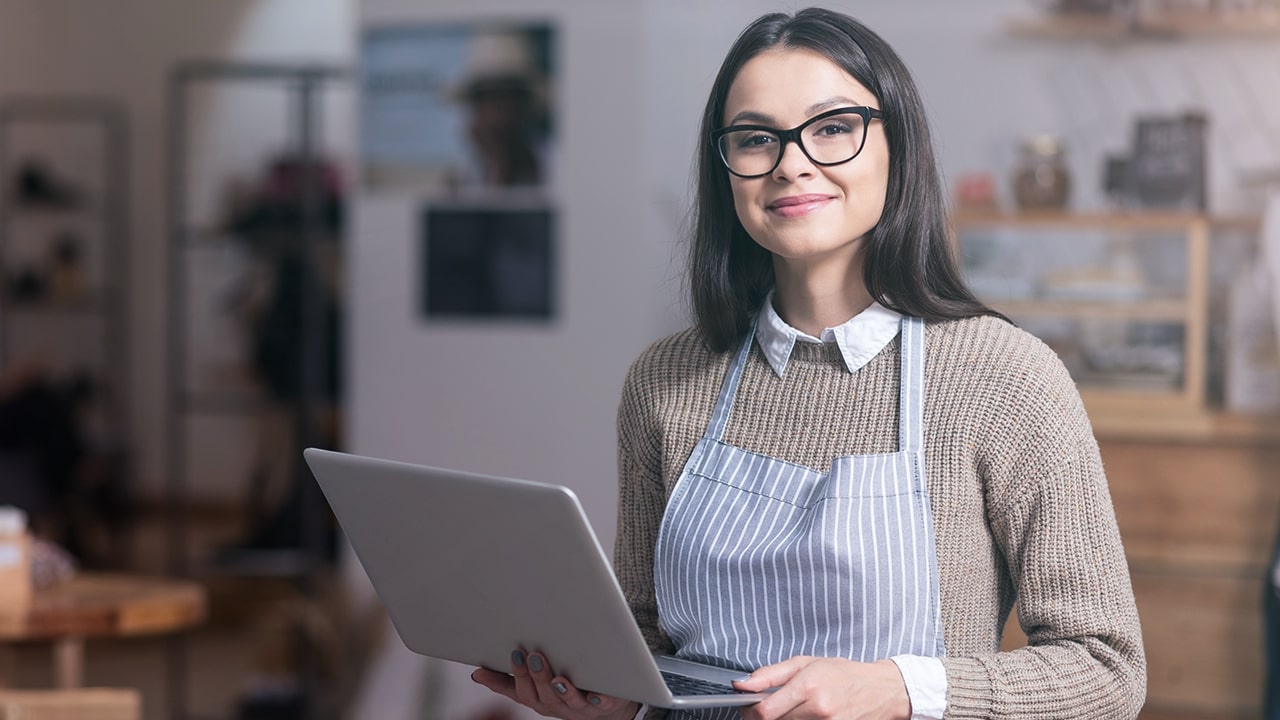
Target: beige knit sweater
point(1020, 502)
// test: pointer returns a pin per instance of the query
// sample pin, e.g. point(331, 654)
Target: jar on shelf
point(1041, 180)
point(15, 563)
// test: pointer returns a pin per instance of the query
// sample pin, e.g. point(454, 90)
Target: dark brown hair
point(909, 265)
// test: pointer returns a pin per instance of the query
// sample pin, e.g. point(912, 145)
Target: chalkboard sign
point(1168, 165)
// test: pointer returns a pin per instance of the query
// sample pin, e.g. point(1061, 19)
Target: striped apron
point(759, 560)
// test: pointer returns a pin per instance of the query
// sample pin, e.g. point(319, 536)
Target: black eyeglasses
point(831, 138)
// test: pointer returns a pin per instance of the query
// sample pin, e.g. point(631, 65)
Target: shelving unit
point(65, 177)
point(302, 87)
point(1153, 25)
point(1180, 409)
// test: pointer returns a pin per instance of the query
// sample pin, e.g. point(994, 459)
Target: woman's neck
point(814, 297)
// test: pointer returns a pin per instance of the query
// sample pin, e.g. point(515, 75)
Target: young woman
point(843, 476)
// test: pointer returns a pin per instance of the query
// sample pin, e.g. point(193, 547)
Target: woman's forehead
point(789, 85)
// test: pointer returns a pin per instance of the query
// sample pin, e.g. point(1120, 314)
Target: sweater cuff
point(968, 687)
point(926, 681)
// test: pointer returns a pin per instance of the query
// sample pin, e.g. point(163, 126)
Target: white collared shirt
point(860, 338)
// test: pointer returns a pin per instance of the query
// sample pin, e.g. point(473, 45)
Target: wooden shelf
point(1182, 25)
point(1156, 417)
point(1147, 310)
point(1137, 221)
point(86, 303)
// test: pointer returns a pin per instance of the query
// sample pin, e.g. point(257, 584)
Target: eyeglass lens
point(827, 140)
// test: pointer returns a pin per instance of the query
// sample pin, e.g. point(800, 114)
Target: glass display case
point(1122, 298)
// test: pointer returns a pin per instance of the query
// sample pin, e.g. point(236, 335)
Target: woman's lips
point(798, 205)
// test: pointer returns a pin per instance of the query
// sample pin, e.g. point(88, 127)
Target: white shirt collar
point(860, 338)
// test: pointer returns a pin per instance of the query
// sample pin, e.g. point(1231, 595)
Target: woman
point(844, 475)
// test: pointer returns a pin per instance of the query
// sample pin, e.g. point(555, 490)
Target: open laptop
point(472, 567)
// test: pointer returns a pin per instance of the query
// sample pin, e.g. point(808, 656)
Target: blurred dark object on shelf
point(1169, 161)
point(1117, 180)
point(1041, 180)
point(1087, 7)
point(1095, 8)
point(1166, 167)
point(66, 267)
point(27, 285)
point(74, 491)
point(36, 185)
point(275, 205)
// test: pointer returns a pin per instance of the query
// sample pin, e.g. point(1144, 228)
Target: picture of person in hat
point(504, 92)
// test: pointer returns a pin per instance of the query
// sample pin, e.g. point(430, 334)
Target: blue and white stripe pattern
point(759, 559)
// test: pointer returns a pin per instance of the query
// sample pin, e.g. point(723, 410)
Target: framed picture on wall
point(487, 260)
point(458, 108)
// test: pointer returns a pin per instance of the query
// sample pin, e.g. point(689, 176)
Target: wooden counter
point(93, 605)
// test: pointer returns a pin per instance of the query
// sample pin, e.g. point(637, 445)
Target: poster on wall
point(462, 115)
point(458, 108)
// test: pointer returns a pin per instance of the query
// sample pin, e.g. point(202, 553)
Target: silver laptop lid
point(471, 567)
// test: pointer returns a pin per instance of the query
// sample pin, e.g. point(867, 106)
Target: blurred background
point(440, 231)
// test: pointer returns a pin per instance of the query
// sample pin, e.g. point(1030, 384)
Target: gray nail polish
point(594, 699)
point(535, 663)
point(517, 658)
point(560, 688)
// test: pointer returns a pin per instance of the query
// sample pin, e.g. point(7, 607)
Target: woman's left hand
point(810, 688)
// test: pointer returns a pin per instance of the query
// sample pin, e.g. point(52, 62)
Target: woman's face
point(801, 212)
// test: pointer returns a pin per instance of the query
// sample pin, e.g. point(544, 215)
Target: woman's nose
point(794, 163)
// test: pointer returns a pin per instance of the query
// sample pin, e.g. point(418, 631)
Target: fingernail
point(517, 658)
point(594, 699)
point(744, 678)
point(535, 663)
point(560, 688)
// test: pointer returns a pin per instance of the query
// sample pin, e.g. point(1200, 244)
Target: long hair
point(909, 265)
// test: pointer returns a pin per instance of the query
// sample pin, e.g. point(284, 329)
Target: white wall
point(540, 402)
point(125, 49)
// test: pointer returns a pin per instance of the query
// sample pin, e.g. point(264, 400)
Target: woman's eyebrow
point(752, 116)
point(829, 103)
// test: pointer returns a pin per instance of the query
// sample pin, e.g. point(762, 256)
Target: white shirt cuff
point(926, 681)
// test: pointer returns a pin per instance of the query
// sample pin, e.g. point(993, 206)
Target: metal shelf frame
point(305, 84)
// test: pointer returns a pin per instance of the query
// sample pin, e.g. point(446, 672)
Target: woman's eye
point(756, 140)
point(833, 128)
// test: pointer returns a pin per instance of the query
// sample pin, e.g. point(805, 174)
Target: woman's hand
point(534, 684)
point(810, 688)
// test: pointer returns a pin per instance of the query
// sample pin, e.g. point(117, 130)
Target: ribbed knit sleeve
point(1051, 516)
point(641, 502)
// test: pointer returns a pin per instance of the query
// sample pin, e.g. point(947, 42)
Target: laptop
point(471, 567)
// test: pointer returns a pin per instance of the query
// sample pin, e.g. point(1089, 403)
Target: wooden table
point(100, 605)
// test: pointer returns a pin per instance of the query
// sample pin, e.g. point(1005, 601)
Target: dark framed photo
point(488, 260)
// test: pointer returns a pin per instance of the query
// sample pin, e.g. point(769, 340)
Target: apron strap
point(911, 388)
point(729, 388)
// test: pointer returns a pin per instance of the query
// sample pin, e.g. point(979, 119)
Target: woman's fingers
point(541, 674)
point(772, 676)
point(534, 684)
point(524, 684)
point(500, 683)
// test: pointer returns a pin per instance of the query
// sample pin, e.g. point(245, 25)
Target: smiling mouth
point(798, 205)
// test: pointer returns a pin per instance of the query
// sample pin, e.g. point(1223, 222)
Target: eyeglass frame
point(793, 135)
